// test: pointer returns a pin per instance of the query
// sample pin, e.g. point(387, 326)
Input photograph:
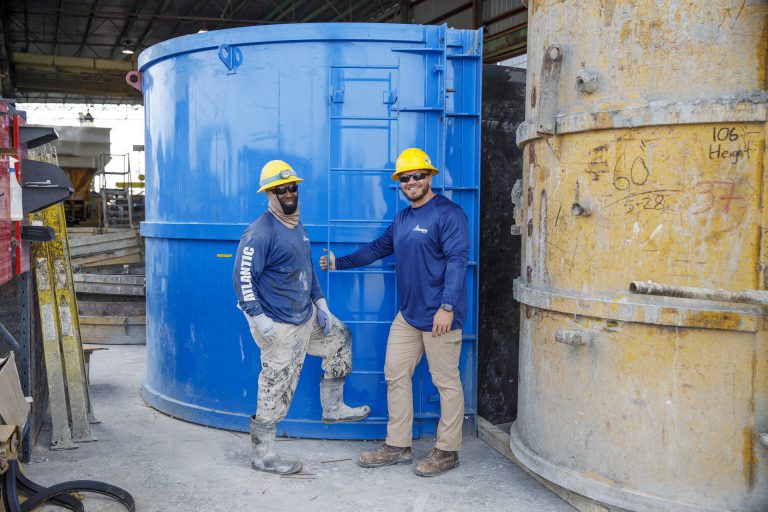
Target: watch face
point(447, 307)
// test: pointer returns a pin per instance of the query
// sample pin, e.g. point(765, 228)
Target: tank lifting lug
point(550, 78)
point(231, 56)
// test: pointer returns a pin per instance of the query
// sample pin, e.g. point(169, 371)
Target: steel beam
point(58, 28)
point(160, 10)
point(87, 27)
point(506, 44)
point(137, 7)
point(6, 83)
point(280, 9)
point(116, 15)
point(477, 13)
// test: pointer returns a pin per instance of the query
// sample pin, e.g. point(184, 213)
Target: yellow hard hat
point(413, 159)
point(276, 173)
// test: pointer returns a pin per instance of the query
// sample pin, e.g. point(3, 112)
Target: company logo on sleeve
point(419, 229)
point(246, 286)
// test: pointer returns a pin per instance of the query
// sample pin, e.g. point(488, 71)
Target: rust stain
point(608, 7)
point(626, 31)
point(761, 51)
point(749, 458)
point(712, 320)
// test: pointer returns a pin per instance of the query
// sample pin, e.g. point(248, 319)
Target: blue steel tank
point(338, 102)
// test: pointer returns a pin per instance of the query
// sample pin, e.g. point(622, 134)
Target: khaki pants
point(405, 346)
point(283, 358)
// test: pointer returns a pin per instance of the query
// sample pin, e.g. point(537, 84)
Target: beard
point(289, 209)
point(415, 194)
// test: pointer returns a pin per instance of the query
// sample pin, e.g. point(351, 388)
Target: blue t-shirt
point(431, 247)
point(273, 272)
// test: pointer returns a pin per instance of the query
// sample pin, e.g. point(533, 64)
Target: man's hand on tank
point(324, 260)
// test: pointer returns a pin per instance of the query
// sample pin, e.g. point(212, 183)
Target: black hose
point(29, 487)
point(80, 486)
point(10, 498)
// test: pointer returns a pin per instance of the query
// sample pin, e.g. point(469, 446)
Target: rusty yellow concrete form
point(644, 144)
point(65, 363)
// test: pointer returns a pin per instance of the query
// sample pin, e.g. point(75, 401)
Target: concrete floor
point(170, 465)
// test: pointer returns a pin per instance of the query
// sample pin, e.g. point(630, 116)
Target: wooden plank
point(499, 441)
point(98, 258)
point(104, 247)
point(115, 335)
point(92, 348)
point(101, 239)
point(113, 320)
point(80, 232)
point(110, 289)
point(136, 280)
point(123, 260)
point(118, 307)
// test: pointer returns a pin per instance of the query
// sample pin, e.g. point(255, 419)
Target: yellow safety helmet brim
point(432, 171)
point(413, 159)
point(276, 173)
point(292, 179)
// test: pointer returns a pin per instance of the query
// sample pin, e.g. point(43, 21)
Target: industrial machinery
point(644, 150)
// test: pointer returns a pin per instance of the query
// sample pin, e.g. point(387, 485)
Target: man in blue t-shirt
point(430, 241)
point(278, 291)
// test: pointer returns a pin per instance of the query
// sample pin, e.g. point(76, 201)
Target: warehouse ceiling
point(70, 51)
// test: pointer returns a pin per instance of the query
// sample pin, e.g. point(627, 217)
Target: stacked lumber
point(111, 308)
point(109, 282)
point(118, 246)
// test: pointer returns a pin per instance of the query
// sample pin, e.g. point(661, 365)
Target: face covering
point(289, 220)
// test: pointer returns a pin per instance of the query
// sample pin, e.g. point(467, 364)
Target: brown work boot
point(385, 455)
point(436, 463)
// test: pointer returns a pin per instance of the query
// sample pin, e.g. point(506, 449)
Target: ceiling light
point(128, 51)
point(202, 31)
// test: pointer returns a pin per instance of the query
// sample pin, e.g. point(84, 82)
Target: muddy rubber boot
point(334, 408)
point(385, 455)
point(265, 458)
point(436, 463)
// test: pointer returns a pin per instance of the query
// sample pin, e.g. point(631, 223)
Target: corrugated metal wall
point(504, 20)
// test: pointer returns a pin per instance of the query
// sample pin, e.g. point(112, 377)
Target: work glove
point(324, 315)
point(264, 325)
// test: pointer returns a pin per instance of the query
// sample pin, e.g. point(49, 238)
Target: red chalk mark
point(721, 195)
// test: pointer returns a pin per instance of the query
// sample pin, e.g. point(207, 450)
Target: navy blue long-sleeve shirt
point(431, 247)
point(273, 272)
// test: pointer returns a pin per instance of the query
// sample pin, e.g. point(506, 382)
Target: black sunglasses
point(278, 191)
point(418, 177)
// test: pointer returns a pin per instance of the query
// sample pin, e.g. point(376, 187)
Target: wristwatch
point(447, 307)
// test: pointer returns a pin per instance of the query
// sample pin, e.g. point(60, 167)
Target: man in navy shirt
point(430, 241)
point(278, 291)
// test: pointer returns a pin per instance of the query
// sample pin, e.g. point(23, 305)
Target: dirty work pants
point(283, 357)
point(405, 346)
